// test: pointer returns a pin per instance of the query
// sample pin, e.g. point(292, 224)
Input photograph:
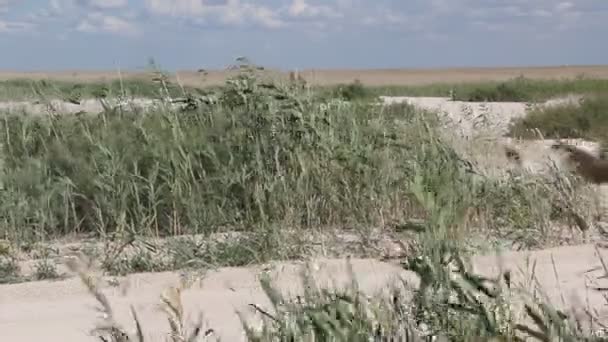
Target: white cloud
point(266, 17)
point(507, 7)
point(232, 12)
point(235, 12)
point(99, 23)
point(14, 26)
point(62, 6)
point(449, 17)
point(419, 16)
point(522, 15)
point(345, 3)
point(88, 16)
point(301, 8)
point(541, 13)
point(176, 8)
point(106, 4)
point(59, 6)
point(563, 6)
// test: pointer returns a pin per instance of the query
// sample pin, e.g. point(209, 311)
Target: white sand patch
point(470, 117)
point(64, 107)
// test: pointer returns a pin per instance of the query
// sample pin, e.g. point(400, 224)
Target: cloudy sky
point(186, 34)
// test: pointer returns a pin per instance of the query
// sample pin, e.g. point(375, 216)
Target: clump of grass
point(537, 204)
point(253, 156)
point(518, 89)
point(260, 156)
point(450, 303)
point(521, 89)
point(23, 89)
point(203, 252)
point(503, 92)
point(45, 269)
point(173, 308)
point(461, 306)
point(147, 87)
point(329, 315)
point(141, 260)
point(352, 91)
point(10, 272)
point(586, 119)
point(523, 209)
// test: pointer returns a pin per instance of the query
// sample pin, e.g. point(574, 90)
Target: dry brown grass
point(326, 77)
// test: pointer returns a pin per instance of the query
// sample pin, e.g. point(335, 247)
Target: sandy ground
point(60, 308)
point(63, 310)
point(63, 107)
point(371, 77)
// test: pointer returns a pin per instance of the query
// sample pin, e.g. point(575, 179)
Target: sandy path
point(62, 310)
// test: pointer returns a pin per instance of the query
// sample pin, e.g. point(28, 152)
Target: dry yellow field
point(371, 77)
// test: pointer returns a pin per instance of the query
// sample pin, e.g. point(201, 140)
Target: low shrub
point(587, 119)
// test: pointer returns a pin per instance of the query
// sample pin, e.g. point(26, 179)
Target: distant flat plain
point(328, 77)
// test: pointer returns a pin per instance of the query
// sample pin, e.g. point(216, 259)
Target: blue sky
point(192, 34)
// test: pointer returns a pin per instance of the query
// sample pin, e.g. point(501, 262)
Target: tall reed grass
point(252, 156)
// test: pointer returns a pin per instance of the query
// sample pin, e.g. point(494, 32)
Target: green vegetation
point(23, 89)
point(269, 162)
point(261, 155)
point(9, 269)
point(518, 89)
point(261, 159)
point(157, 85)
point(587, 119)
point(354, 91)
point(450, 301)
